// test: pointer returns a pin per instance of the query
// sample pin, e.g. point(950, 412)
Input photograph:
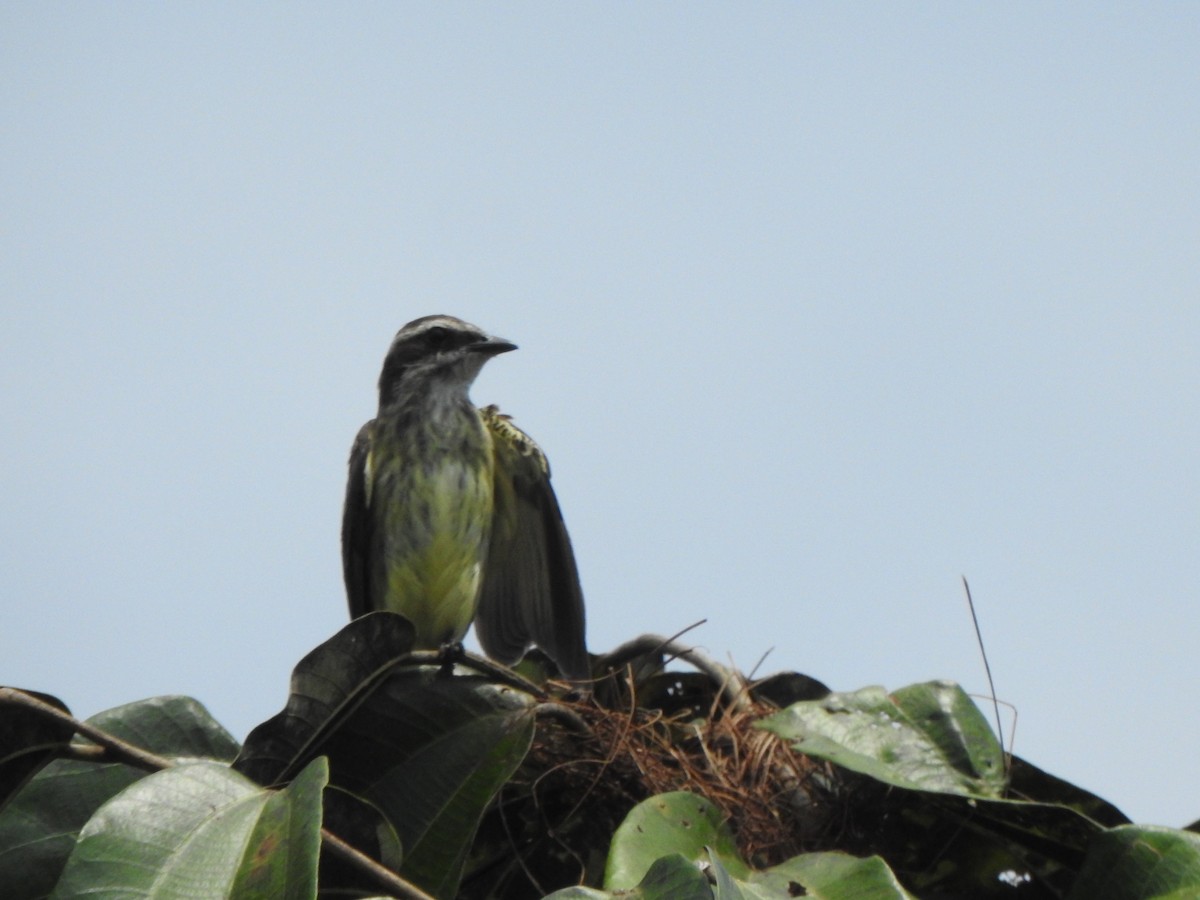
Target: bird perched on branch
point(449, 512)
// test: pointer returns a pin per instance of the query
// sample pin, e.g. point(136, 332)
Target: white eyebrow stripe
point(448, 322)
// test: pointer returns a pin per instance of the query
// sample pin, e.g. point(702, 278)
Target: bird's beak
point(492, 346)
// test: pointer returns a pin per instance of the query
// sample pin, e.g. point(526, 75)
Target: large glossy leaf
point(954, 832)
point(431, 750)
point(928, 737)
point(426, 745)
point(201, 830)
point(326, 684)
point(1140, 863)
point(38, 829)
point(978, 844)
point(683, 827)
point(678, 822)
point(28, 739)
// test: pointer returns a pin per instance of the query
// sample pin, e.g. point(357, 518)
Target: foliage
point(391, 772)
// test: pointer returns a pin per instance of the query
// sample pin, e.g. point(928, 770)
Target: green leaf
point(201, 830)
point(828, 876)
point(668, 839)
point(674, 878)
point(825, 876)
point(927, 737)
point(724, 885)
point(1140, 863)
point(38, 829)
point(952, 830)
point(171, 726)
point(678, 822)
point(671, 878)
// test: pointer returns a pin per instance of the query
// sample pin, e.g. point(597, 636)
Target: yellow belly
point(436, 521)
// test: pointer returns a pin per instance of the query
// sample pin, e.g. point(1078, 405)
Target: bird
point(449, 514)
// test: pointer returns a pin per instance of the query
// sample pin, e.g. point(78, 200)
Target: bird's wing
point(357, 526)
point(530, 592)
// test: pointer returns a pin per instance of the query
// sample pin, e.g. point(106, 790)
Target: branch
point(112, 749)
point(384, 877)
point(116, 748)
point(730, 681)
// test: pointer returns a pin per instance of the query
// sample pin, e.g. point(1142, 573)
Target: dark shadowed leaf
point(365, 828)
point(677, 693)
point(431, 750)
point(785, 688)
point(38, 829)
point(1028, 782)
point(986, 840)
point(426, 745)
point(28, 740)
point(326, 683)
point(201, 830)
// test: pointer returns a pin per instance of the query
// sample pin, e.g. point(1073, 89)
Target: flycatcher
point(449, 512)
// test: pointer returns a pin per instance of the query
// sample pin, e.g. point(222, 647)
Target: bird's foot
point(450, 652)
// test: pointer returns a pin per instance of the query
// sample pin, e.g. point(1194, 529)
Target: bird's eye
point(436, 336)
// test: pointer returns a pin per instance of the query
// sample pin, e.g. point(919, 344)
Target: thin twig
point(116, 750)
point(762, 659)
point(384, 877)
point(987, 669)
point(724, 678)
point(484, 667)
point(571, 719)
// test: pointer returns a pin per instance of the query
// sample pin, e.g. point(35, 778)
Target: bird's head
point(436, 353)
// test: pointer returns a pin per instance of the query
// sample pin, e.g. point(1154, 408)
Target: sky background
point(820, 307)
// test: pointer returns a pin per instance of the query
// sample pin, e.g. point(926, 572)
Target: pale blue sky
point(819, 306)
